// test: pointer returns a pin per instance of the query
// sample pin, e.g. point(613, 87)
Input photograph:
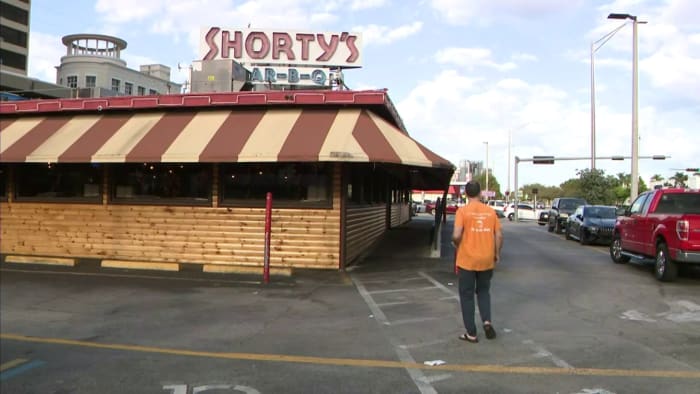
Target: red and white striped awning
point(211, 135)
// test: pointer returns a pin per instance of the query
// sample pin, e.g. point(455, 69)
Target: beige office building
point(93, 67)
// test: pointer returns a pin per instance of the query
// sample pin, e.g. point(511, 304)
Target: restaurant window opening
point(161, 183)
point(58, 182)
point(291, 184)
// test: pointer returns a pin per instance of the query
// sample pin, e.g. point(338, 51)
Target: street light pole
point(602, 42)
point(634, 189)
point(592, 108)
point(510, 140)
point(487, 169)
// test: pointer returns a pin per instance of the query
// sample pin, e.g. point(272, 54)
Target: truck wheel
point(550, 226)
point(616, 251)
point(582, 236)
point(567, 235)
point(664, 268)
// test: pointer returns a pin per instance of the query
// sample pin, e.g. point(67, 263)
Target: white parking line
point(540, 351)
point(404, 355)
point(453, 294)
point(411, 321)
point(437, 378)
point(400, 290)
point(394, 303)
point(384, 281)
point(423, 344)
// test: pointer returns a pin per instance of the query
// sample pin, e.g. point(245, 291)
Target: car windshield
point(571, 204)
point(601, 212)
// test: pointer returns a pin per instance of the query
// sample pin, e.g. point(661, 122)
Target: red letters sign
point(279, 47)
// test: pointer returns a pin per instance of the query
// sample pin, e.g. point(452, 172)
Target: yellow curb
point(140, 265)
point(68, 262)
point(242, 269)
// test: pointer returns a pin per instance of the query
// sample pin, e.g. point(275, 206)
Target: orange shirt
point(477, 249)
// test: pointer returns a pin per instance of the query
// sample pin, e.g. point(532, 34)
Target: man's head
point(473, 188)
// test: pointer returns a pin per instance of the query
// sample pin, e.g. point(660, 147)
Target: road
point(568, 321)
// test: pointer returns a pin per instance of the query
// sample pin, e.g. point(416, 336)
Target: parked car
point(451, 207)
point(497, 205)
point(525, 212)
point(559, 213)
point(591, 224)
point(662, 226)
point(418, 207)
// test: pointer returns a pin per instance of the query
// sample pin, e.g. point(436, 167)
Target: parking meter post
point(268, 225)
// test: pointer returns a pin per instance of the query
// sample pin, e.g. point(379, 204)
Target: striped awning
point(221, 135)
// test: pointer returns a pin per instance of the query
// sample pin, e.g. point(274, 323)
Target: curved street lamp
point(600, 42)
point(634, 191)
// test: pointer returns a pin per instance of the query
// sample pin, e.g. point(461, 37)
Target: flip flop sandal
point(489, 331)
point(469, 339)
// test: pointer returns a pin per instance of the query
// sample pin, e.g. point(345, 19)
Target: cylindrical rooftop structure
point(93, 45)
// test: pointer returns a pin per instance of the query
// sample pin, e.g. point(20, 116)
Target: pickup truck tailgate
point(693, 221)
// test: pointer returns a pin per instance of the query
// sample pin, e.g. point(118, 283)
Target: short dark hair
point(473, 188)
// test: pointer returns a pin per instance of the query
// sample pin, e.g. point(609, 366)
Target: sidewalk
point(409, 244)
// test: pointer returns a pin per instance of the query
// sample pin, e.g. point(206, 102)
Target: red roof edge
point(298, 97)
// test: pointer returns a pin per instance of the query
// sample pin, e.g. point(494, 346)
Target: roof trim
point(362, 98)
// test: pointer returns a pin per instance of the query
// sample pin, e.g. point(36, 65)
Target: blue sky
point(461, 72)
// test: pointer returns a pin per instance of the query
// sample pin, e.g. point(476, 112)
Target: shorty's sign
point(301, 76)
point(282, 47)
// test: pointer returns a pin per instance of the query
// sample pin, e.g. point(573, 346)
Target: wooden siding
point(399, 214)
point(364, 225)
point(300, 238)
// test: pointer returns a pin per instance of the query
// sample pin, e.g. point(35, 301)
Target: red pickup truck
point(662, 226)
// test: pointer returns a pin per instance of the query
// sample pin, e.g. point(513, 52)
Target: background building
point(93, 67)
point(14, 50)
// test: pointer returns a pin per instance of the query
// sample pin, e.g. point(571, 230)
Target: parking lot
point(568, 321)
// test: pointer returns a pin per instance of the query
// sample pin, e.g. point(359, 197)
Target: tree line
point(592, 184)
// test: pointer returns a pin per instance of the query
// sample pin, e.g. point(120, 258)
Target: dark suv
point(562, 207)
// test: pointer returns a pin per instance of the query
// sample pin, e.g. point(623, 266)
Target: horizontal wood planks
point(400, 214)
point(365, 224)
point(300, 238)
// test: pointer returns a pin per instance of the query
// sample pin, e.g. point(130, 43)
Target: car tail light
point(683, 229)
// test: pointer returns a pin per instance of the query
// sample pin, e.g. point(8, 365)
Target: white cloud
point(524, 57)
point(357, 5)
point(471, 58)
point(669, 47)
point(463, 12)
point(544, 120)
point(45, 52)
point(382, 35)
point(512, 84)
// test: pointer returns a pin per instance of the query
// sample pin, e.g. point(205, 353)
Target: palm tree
point(679, 179)
point(657, 178)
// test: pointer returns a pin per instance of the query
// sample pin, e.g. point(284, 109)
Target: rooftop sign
point(282, 47)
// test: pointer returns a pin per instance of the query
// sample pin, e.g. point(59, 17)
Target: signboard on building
point(277, 47)
point(299, 76)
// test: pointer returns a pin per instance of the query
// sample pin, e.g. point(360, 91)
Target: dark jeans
point(470, 283)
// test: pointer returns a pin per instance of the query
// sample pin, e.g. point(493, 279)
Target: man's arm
point(456, 235)
point(498, 237)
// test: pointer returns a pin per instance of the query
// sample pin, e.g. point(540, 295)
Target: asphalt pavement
point(568, 321)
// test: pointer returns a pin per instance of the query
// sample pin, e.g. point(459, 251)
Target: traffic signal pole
point(552, 159)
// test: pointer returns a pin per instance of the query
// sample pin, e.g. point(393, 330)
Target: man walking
point(478, 238)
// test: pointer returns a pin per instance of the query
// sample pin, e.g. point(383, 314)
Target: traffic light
point(543, 159)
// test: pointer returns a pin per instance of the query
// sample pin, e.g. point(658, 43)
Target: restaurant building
point(176, 182)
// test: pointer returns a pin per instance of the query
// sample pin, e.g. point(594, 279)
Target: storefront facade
point(179, 182)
